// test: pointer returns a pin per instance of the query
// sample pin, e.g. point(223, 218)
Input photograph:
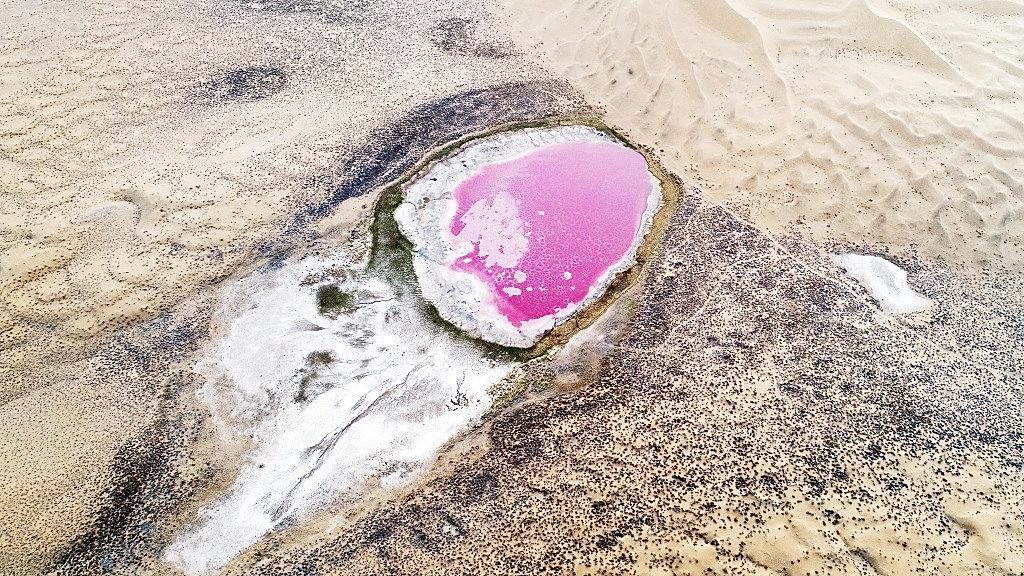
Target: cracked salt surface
point(328, 403)
point(885, 281)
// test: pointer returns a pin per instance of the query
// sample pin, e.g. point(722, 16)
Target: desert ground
point(738, 405)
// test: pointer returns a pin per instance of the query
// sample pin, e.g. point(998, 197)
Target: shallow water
point(516, 231)
point(545, 227)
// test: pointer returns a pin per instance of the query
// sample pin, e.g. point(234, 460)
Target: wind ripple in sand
point(328, 402)
point(867, 121)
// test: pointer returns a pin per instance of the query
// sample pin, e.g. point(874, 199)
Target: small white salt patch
point(529, 288)
point(567, 275)
point(540, 212)
point(467, 260)
point(885, 281)
point(494, 226)
point(520, 276)
point(512, 291)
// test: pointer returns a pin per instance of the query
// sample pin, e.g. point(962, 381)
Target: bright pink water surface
point(546, 226)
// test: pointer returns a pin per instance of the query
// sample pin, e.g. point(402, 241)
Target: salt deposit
point(516, 232)
point(885, 281)
point(328, 402)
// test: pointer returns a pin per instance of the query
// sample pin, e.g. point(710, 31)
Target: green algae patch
point(391, 259)
point(331, 300)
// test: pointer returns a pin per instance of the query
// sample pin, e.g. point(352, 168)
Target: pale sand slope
point(127, 186)
point(892, 122)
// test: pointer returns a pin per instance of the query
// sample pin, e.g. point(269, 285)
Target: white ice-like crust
point(429, 207)
point(397, 389)
point(496, 227)
point(885, 281)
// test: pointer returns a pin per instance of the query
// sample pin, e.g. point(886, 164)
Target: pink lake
point(547, 226)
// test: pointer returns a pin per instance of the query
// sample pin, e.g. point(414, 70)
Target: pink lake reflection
point(546, 226)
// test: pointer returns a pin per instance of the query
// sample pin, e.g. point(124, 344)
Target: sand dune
point(862, 120)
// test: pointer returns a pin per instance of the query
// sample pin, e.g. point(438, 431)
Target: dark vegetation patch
point(335, 11)
point(462, 36)
point(320, 358)
point(331, 300)
point(391, 251)
point(242, 85)
point(123, 530)
point(309, 375)
point(145, 486)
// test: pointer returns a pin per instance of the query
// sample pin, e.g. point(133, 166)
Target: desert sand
point(894, 123)
point(744, 408)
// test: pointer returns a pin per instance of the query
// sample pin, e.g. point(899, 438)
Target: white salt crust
point(429, 207)
point(885, 281)
point(397, 389)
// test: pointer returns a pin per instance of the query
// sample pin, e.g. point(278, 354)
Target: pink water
point(545, 227)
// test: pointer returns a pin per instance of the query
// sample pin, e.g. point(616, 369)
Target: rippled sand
point(895, 123)
point(746, 408)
